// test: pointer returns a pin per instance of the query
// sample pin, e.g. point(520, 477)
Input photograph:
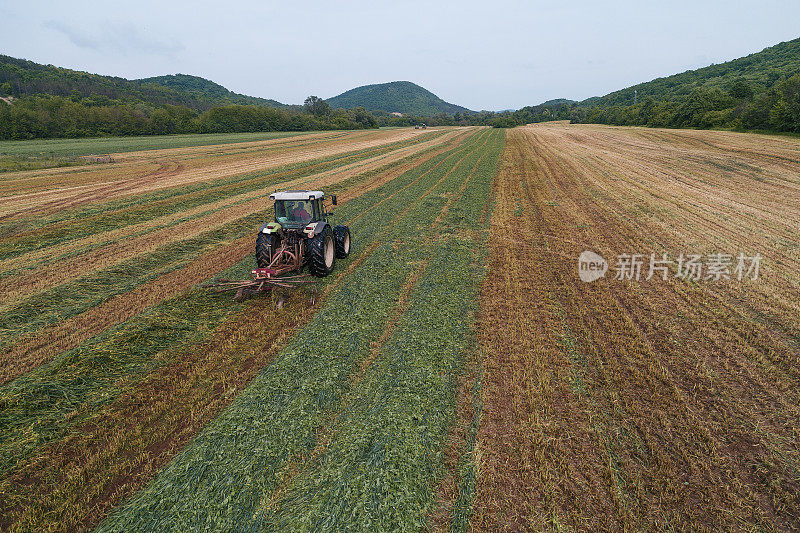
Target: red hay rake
point(289, 258)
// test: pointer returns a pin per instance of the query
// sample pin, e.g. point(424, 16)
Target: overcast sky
point(499, 54)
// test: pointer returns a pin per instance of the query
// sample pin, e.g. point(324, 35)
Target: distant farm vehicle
point(300, 235)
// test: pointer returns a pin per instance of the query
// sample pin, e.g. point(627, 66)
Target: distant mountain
point(21, 77)
point(752, 74)
point(204, 88)
point(396, 96)
point(185, 82)
point(756, 92)
point(558, 101)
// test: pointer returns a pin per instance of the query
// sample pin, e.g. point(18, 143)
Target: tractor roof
point(296, 195)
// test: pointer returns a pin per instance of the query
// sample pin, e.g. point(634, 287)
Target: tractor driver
point(300, 213)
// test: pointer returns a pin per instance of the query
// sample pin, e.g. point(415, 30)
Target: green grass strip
point(380, 471)
point(41, 405)
point(114, 145)
point(222, 479)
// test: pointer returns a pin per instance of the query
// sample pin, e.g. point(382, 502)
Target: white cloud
point(120, 37)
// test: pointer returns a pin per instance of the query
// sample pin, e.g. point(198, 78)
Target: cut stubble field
point(454, 373)
point(640, 405)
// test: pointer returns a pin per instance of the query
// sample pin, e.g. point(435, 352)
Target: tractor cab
point(296, 209)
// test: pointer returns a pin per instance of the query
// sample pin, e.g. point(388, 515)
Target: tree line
point(776, 109)
point(738, 107)
point(45, 116)
point(503, 119)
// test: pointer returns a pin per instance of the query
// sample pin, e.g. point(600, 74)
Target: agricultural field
point(668, 404)
point(46, 153)
point(453, 373)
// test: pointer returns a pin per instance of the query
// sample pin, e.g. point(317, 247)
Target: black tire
point(322, 253)
point(341, 235)
point(266, 245)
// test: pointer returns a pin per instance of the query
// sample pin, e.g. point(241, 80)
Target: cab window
point(294, 212)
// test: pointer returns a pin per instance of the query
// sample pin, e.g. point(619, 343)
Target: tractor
point(300, 235)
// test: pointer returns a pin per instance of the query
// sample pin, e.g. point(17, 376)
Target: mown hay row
point(174, 173)
point(39, 231)
point(284, 407)
point(85, 467)
point(131, 241)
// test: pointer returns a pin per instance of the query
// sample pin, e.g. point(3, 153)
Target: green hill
point(759, 91)
point(753, 74)
point(42, 101)
point(20, 78)
point(205, 90)
point(396, 96)
point(557, 102)
point(187, 83)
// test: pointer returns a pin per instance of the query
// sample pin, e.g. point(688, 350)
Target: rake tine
point(280, 284)
point(246, 288)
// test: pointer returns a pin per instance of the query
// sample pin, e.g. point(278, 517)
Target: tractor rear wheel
point(266, 245)
point(322, 253)
point(341, 234)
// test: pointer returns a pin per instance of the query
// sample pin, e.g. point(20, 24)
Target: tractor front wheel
point(322, 253)
point(341, 234)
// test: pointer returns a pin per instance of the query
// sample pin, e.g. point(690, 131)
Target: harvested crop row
point(623, 405)
point(707, 199)
point(34, 349)
point(90, 466)
point(172, 174)
point(393, 420)
point(216, 214)
point(75, 297)
point(199, 150)
point(285, 405)
point(95, 181)
point(157, 416)
point(190, 206)
point(292, 469)
point(131, 164)
point(41, 232)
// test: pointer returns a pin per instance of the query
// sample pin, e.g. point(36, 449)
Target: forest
point(43, 101)
point(58, 117)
